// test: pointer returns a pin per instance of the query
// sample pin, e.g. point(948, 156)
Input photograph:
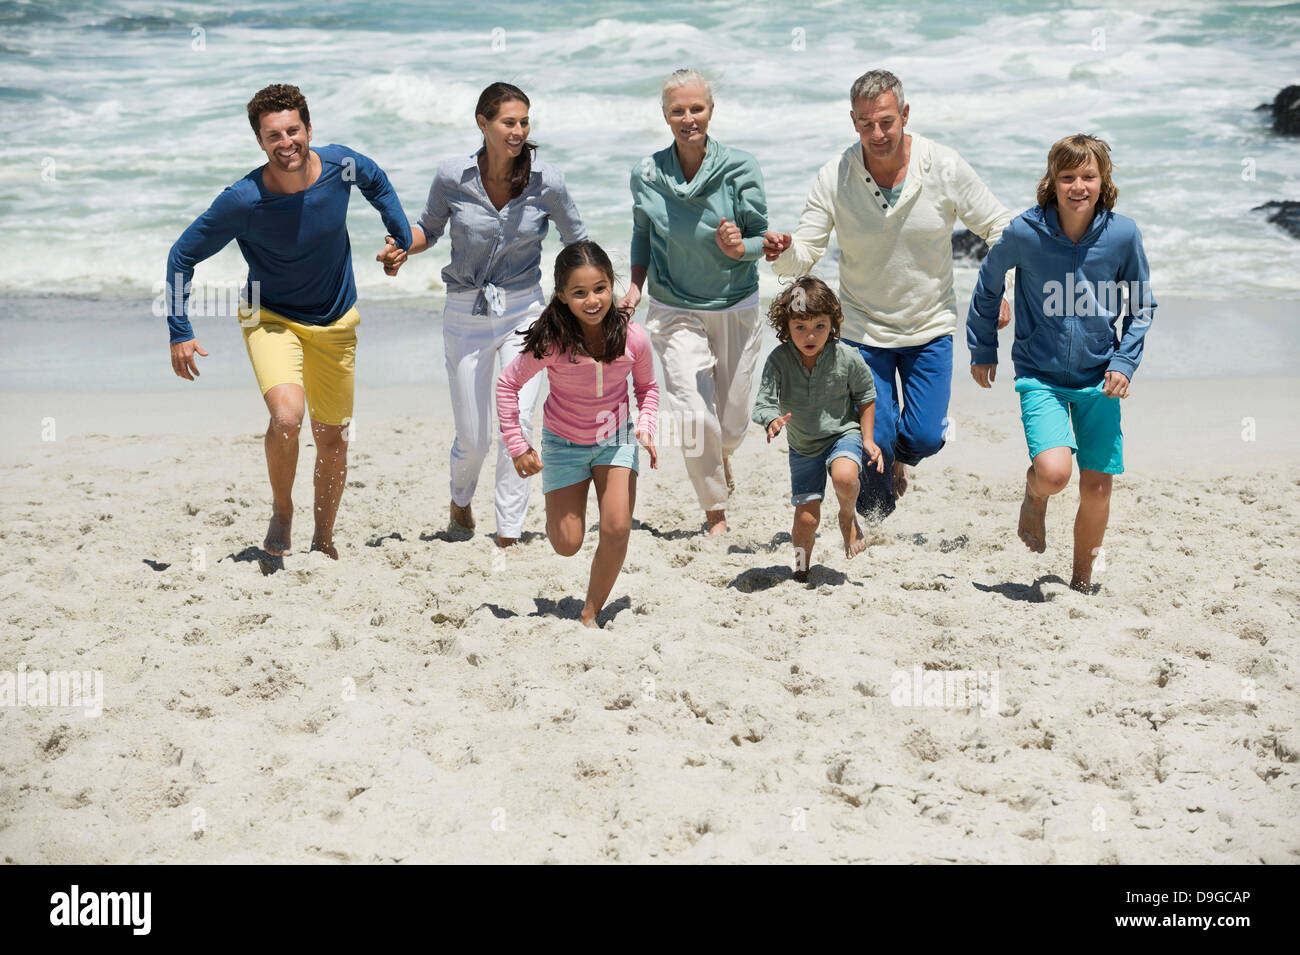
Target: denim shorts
point(1081, 419)
point(565, 462)
point(808, 472)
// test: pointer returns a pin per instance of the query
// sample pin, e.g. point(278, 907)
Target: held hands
point(643, 438)
point(528, 463)
point(631, 300)
point(392, 257)
point(774, 243)
point(775, 425)
point(1115, 385)
point(729, 239)
point(183, 361)
point(1004, 314)
point(984, 374)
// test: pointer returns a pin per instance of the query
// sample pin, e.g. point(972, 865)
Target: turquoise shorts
point(1081, 419)
point(565, 462)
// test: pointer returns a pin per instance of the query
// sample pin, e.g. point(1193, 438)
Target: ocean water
point(124, 118)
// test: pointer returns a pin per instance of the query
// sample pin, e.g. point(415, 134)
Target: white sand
point(723, 713)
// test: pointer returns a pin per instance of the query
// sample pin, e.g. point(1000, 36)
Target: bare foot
point(277, 536)
point(900, 479)
point(1033, 522)
point(327, 548)
point(504, 542)
point(854, 544)
point(800, 576)
point(716, 521)
point(462, 516)
point(588, 618)
point(726, 469)
point(1083, 584)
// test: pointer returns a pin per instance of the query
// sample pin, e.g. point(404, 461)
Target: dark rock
point(1286, 111)
point(968, 247)
point(1285, 215)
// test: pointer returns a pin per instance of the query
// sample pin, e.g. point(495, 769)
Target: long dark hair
point(489, 104)
point(557, 328)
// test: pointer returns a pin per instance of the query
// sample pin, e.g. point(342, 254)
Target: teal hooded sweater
point(674, 221)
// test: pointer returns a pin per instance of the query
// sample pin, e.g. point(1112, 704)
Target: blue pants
point(921, 376)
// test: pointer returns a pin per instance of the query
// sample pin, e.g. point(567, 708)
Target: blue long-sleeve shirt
point(1069, 296)
point(491, 247)
point(296, 245)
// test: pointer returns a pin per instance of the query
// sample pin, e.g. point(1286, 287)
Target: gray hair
point(876, 83)
point(679, 78)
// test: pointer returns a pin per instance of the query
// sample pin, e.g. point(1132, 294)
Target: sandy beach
point(433, 700)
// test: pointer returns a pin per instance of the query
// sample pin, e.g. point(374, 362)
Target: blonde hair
point(1073, 152)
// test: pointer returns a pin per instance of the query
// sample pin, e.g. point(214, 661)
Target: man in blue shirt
point(289, 217)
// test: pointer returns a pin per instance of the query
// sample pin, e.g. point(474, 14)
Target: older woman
point(499, 202)
point(698, 219)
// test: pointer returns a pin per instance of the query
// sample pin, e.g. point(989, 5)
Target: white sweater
point(895, 261)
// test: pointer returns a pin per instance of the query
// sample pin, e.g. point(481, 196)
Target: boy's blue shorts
point(808, 472)
point(1081, 419)
point(565, 462)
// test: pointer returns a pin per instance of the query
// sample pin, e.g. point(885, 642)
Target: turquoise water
point(123, 119)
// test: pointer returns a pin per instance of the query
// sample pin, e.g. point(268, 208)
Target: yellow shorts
point(320, 359)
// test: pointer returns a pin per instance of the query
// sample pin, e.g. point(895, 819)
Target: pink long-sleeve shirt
point(588, 400)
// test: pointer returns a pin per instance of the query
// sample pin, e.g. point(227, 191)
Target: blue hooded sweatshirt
point(1068, 298)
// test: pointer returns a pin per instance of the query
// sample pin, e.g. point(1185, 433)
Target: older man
point(892, 199)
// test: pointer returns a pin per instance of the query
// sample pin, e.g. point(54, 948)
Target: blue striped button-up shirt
point(496, 250)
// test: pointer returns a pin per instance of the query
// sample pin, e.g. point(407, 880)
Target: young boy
point(823, 390)
point(1080, 267)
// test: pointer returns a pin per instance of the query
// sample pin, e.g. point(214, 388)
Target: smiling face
point(809, 334)
point(687, 111)
point(505, 132)
point(283, 136)
point(588, 293)
point(879, 124)
point(1078, 189)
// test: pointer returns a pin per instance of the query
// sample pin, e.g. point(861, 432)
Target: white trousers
point(708, 359)
point(478, 348)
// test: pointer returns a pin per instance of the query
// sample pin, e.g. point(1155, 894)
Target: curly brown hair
point(1071, 153)
point(276, 98)
point(805, 297)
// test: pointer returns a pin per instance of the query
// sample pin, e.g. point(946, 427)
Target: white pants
point(478, 348)
point(708, 359)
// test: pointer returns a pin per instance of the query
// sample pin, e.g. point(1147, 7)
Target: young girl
point(827, 394)
point(588, 348)
point(1080, 267)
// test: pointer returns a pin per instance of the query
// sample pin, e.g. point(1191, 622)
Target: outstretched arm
point(794, 254)
point(207, 235)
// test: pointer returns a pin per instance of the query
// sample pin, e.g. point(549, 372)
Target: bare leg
point(566, 517)
point(1048, 475)
point(726, 470)
point(616, 496)
point(807, 518)
point(716, 521)
point(1090, 525)
point(287, 406)
point(331, 476)
point(844, 476)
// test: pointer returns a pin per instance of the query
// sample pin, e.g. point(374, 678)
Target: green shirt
point(674, 221)
point(824, 402)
